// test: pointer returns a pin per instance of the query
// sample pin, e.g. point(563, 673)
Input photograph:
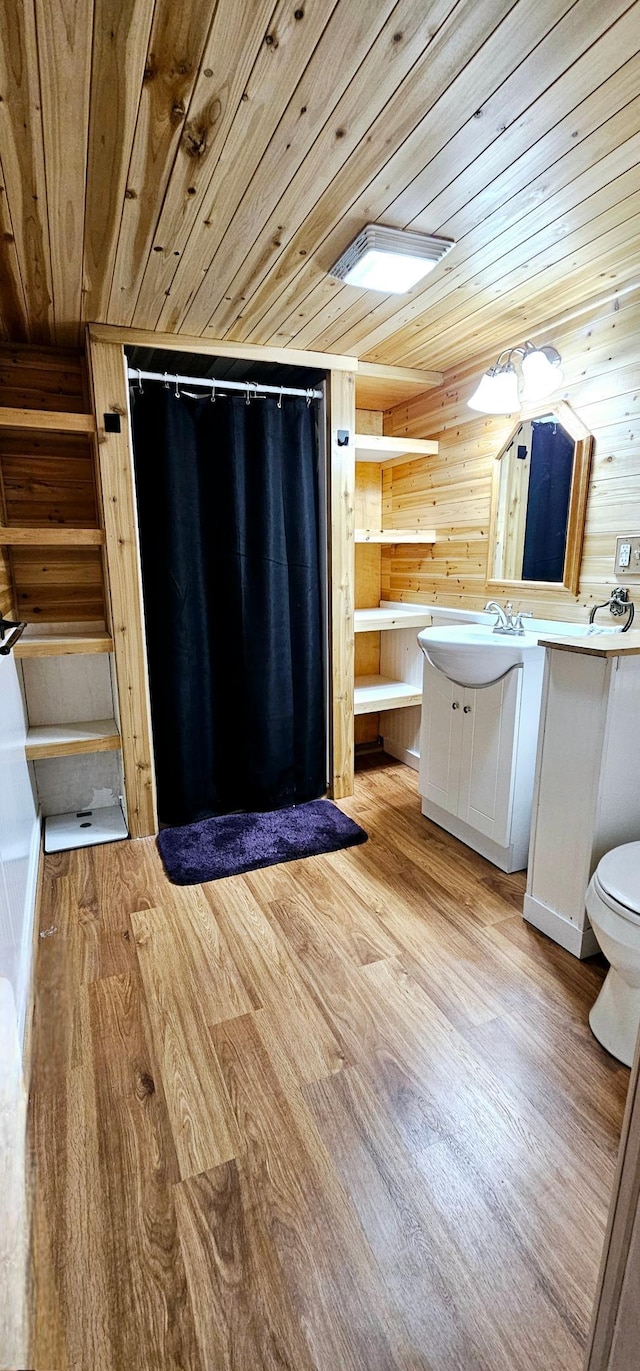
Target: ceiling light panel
point(389, 260)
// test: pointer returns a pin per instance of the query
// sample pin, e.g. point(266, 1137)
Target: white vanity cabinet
point(477, 761)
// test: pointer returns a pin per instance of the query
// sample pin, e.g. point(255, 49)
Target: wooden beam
point(214, 347)
point(342, 486)
point(116, 478)
point(46, 421)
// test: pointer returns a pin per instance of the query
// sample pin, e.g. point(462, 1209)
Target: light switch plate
point(627, 561)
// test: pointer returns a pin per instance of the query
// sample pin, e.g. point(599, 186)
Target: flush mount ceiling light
point(389, 259)
point(502, 391)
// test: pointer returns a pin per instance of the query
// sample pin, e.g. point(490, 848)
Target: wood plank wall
point(47, 479)
point(600, 350)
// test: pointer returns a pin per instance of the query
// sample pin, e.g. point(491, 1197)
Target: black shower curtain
point(229, 535)
point(548, 503)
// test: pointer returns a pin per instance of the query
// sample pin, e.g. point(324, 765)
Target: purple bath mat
point(234, 843)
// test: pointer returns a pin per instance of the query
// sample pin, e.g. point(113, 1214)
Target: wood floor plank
point(243, 1313)
point(290, 1185)
point(428, 1277)
point(105, 1199)
point(266, 967)
point(202, 1122)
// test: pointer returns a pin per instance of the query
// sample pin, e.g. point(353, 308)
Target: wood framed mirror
point(539, 502)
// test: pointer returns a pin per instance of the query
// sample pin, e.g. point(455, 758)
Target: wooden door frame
point(116, 478)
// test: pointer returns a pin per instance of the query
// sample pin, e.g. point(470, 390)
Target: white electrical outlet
point(627, 561)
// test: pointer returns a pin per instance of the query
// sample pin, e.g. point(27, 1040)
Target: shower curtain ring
point(280, 399)
point(166, 380)
point(177, 389)
point(309, 398)
point(213, 393)
point(140, 385)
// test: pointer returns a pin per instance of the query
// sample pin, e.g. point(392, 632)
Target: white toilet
point(613, 906)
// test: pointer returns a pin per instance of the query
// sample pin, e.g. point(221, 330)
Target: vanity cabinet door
point(441, 739)
point(489, 718)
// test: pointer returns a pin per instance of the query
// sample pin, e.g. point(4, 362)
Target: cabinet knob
point(467, 709)
point(455, 705)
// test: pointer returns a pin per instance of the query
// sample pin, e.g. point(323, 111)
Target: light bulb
point(541, 374)
point(497, 392)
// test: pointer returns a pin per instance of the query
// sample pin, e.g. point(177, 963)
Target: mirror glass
point(532, 502)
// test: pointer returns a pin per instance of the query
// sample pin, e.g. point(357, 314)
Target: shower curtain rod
point(255, 388)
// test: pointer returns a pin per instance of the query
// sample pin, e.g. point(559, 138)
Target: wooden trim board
point(112, 334)
point(114, 462)
point(342, 488)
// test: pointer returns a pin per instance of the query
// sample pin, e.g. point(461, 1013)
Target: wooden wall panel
point(601, 360)
point(53, 585)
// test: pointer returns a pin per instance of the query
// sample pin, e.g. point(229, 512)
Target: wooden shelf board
point(46, 421)
point(51, 537)
point(395, 535)
point(372, 448)
point(379, 692)
point(381, 618)
point(62, 644)
point(68, 740)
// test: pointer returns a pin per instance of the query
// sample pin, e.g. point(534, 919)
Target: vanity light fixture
point(389, 259)
point(502, 391)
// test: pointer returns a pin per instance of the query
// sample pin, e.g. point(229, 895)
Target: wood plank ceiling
point(197, 167)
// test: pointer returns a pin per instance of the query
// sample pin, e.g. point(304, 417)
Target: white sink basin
point(473, 655)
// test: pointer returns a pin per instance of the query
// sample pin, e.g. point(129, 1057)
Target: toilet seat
point(617, 881)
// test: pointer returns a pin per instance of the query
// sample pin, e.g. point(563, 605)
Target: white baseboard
point(27, 969)
point(403, 754)
point(582, 942)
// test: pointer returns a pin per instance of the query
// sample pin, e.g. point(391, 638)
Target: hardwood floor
point(340, 1115)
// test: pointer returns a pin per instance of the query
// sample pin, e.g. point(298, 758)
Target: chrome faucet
point(507, 622)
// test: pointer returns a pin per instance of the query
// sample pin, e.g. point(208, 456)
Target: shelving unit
point(388, 661)
point(51, 544)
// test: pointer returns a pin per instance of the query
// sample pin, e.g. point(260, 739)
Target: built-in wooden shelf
point(395, 535)
point(51, 537)
point(46, 421)
point(373, 448)
point(389, 617)
point(62, 644)
point(373, 693)
point(69, 740)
